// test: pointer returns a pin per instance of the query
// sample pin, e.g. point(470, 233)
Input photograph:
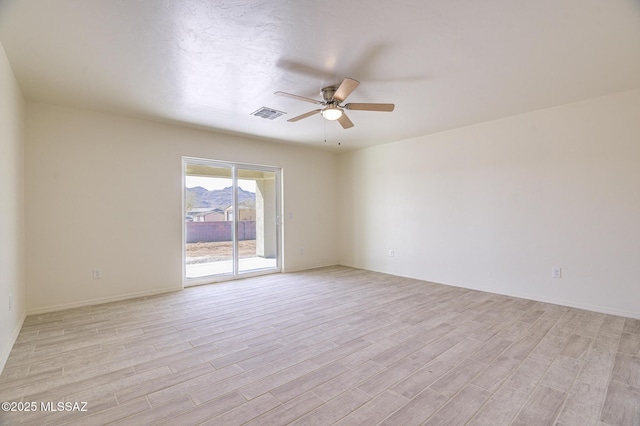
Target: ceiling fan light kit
point(332, 113)
point(333, 97)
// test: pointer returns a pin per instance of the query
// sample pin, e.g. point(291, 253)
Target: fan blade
point(298, 97)
point(370, 107)
point(345, 122)
point(347, 86)
point(308, 114)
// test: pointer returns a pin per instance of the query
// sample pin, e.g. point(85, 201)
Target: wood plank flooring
point(327, 346)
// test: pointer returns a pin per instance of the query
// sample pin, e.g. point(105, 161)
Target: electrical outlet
point(301, 251)
point(556, 272)
point(97, 274)
point(392, 253)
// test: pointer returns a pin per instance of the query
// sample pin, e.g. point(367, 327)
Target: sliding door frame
point(236, 273)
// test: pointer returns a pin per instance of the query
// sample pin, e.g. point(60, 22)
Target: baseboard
point(313, 266)
point(571, 304)
point(585, 306)
point(91, 302)
point(6, 351)
point(568, 303)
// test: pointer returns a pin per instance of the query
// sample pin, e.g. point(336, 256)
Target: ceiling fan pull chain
point(325, 131)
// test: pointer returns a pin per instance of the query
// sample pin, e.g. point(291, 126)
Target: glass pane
point(209, 221)
point(257, 226)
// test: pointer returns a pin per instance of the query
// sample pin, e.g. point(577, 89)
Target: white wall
point(12, 284)
point(494, 206)
point(90, 177)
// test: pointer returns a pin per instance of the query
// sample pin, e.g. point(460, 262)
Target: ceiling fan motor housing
point(328, 93)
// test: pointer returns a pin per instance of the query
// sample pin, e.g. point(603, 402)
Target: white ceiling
point(444, 63)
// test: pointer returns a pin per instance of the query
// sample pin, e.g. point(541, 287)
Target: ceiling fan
point(331, 105)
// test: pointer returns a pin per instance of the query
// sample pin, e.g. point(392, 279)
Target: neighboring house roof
point(242, 207)
point(202, 211)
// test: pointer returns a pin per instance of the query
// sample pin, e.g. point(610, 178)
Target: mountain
point(219, 198)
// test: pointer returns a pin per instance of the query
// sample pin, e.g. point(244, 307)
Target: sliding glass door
point(231, 225)
point(257, 220)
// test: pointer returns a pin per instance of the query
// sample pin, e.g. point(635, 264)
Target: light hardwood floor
point(328, 346)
